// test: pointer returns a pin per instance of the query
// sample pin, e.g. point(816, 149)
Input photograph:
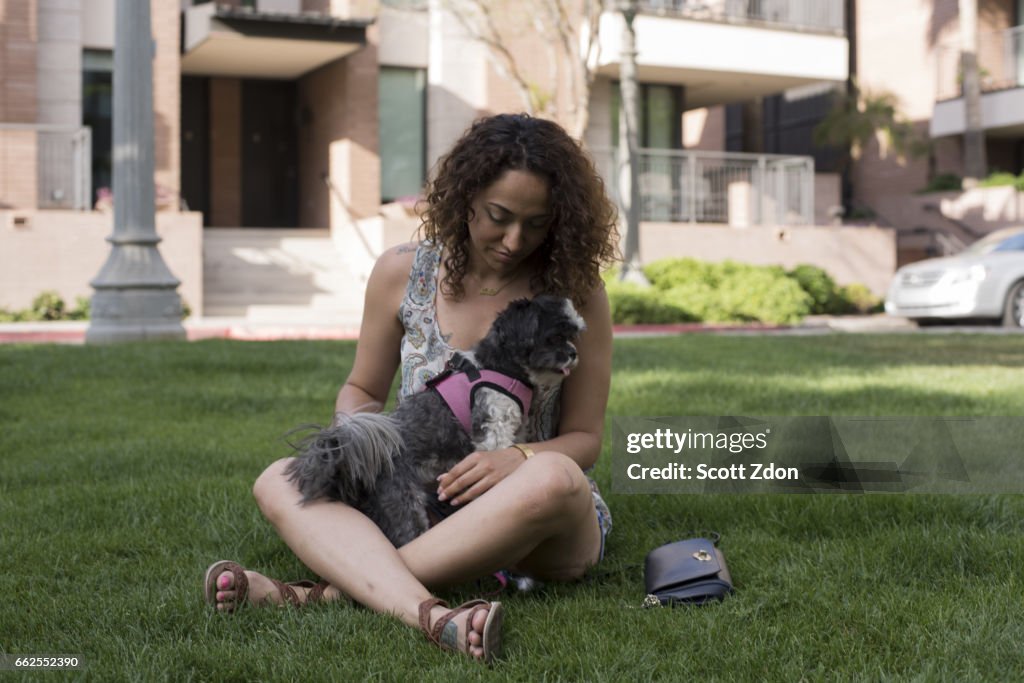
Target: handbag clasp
point(702, 555)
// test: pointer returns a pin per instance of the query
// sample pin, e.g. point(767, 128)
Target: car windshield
point(997, 241)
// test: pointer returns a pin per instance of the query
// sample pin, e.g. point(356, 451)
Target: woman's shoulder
point(595, 302)
point(395, 264)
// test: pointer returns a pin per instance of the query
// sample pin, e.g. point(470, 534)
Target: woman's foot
point(229, 586)
point(473, 627)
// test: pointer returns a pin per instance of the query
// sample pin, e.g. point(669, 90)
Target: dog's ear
point(561, 309)
point(517, 325)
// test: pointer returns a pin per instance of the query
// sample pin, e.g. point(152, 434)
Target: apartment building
point(293, 134)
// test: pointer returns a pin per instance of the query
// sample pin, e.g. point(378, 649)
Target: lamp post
point(632, 270)
point(135, 295)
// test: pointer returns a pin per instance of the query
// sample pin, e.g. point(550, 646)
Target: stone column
point(135, 293)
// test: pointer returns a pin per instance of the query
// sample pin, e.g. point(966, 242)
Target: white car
point(986, 280)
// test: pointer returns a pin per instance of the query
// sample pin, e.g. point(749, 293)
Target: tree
point(975, 164)
point(859, 116)
point(569, 30)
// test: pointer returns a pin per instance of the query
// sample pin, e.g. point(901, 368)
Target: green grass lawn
point(125, 471)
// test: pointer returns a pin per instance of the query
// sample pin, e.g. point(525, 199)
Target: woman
point(515, 209)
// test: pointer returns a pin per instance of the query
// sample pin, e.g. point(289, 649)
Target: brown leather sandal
point(241, 587)
point(445, 634)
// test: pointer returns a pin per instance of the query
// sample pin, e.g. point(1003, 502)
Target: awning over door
point(226, 41)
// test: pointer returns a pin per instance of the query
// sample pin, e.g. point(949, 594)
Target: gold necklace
point(494, 291)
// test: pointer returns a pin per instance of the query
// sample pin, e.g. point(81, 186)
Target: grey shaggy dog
point(387, 465)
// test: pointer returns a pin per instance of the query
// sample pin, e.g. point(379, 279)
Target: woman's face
point(510, 219)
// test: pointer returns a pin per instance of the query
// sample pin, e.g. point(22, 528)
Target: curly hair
point(582, 238)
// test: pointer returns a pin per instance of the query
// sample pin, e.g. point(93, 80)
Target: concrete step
point(268, 275)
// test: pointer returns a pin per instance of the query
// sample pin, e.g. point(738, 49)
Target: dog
point(387, 465)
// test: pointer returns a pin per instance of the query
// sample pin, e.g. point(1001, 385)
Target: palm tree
point(975, 165)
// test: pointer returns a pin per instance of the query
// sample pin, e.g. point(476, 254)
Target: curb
point(240, 330)
point(74, 333)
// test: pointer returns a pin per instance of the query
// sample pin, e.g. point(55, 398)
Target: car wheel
point(1013, 311)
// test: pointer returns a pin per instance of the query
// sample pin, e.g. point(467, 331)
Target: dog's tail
point(345, 460)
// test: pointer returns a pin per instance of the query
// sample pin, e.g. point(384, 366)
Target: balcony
point(741, 190)
point(820, 16)
point(1001, 71)
point(726, 51)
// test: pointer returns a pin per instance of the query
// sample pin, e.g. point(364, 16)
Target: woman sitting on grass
point(515, 209)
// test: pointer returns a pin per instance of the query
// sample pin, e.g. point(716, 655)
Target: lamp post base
point(124, 315)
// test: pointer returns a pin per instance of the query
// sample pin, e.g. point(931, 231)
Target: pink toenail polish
point(222, 582)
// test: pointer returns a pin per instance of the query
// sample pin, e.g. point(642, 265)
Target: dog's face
point(538, 335)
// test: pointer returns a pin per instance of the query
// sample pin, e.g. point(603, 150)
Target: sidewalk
point(241, 329)
point(195, 329)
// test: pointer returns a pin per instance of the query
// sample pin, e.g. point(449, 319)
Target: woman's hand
point(476, 473)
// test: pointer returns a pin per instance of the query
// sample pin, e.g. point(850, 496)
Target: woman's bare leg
point(541, 518)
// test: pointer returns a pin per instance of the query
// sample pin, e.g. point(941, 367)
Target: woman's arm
point(380, 335)
point(581, 426)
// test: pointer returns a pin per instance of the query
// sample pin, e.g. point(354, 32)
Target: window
point(1015, 243)
point(402, 132)
point(97, 113)
point(661, 115)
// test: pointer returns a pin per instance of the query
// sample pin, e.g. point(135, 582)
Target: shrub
point(48, 306)
point(668, 273)
point(859, 299)
point(826, 297)
point(685, 290)
point(83, 305)
point(943, 182)
point(724, 292)
point(633, 305)
point(998, 179)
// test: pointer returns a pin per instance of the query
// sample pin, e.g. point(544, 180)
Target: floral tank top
point(425, 352)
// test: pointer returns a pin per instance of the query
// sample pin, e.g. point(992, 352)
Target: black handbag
point(686, 572)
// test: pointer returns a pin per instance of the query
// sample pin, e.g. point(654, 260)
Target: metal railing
point(63, 165)
point(808, 15)
point(414, 5)
point(715, 187)
point(1000, 63)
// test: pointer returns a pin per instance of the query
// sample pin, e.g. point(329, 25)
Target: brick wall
point(896, 42)
point(18, 37)
point(362, 125)
point(18, 173)
point(166, 28)
point(18, 102)
point(898, 46)
point(321, 6)
point(322, 107)
point(338, 135)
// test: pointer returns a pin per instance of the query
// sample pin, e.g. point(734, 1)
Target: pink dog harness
point(458, 387)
